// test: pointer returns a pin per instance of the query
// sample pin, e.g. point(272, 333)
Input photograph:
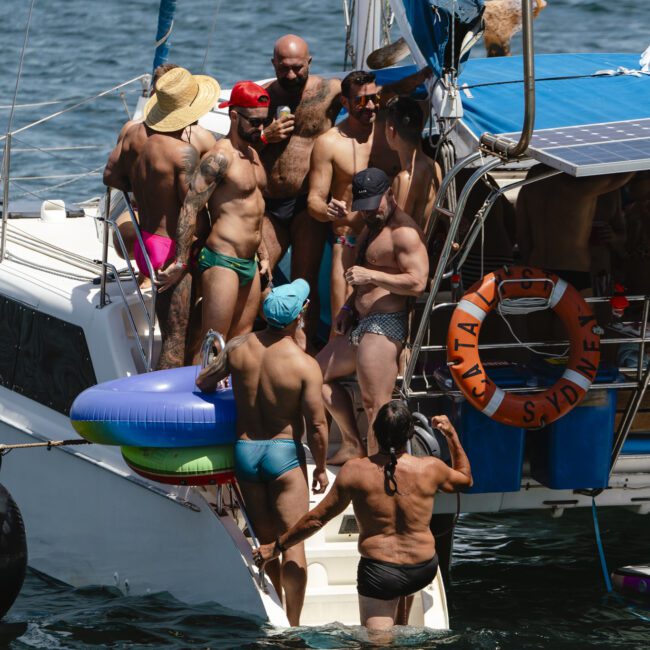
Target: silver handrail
point(502, 146)
point(206, 346)
point(434, 285)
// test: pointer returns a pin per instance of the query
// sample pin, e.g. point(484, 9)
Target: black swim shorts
point(386, 581)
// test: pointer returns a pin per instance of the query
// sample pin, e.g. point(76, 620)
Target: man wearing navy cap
point(230, 180)
point(277, 388)
point(392, 265)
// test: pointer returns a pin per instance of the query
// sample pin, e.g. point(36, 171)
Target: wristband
point(180, 265)
point(278, 548)
point(346, 308)
point(263, 138)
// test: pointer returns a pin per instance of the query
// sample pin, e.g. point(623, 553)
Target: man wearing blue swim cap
point(277, 388)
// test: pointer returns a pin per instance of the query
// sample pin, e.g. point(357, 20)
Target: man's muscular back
point(269, 378)
point(394, 528)
point(156, 165)
point(288, 161)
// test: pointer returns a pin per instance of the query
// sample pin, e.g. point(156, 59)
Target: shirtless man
point(392, 494)
point(277, 389)
point(417, 183)
point(230, 179)
point(154, 162)
point(339, 154)
point(392, 264)
point(196, 135)
point(554, 222)
point(314, 103)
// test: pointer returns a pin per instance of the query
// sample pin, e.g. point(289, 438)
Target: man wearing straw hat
point(230, 179)
point(152, 161)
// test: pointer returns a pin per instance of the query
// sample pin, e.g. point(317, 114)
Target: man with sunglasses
point(313, 104)
point(230, 179)
point(277, 390)
point(347, 148)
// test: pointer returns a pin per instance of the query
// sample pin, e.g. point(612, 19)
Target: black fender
point(13, 551)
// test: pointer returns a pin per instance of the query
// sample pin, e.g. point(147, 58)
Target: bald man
point(314, 103)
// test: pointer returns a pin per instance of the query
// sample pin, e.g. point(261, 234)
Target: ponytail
point(390, 484)
point(393, 428)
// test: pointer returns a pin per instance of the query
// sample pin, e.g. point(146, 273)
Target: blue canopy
point(428, 24)
point(566, 91)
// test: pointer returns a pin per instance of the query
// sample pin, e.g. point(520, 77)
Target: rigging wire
point(20, 67)
point(210, 36)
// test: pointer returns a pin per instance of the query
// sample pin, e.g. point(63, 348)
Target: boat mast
point(368, 25)
point(166, 13)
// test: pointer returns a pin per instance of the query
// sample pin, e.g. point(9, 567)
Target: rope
point(20, 67)
point(522, 306)
point(75, 106)
point(49, 270)
point(210, 36)
point(5, 449)
point(165, 37)
point(37, 192)
point(599, 544)
point(603, 565)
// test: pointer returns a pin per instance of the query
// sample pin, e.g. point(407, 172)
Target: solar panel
point(593, 149)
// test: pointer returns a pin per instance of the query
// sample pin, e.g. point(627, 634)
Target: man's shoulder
point(321, 85)
point(290, 354)
point(404, 229)
point(221, 150)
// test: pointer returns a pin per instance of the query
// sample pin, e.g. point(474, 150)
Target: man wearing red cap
point(230, 180)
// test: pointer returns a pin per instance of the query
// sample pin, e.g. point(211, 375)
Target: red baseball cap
point(247, 94)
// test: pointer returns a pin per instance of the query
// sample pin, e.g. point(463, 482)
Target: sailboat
point(73, 316)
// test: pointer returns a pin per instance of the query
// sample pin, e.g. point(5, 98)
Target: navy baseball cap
point(285, 302)
point(368, 186)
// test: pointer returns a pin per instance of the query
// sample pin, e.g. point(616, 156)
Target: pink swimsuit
point(160, 250)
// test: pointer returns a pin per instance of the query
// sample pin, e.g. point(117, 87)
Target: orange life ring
point(534, 410)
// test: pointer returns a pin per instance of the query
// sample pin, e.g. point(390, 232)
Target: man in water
point(554, 222)
point(393, 508)
point(230, 179)
point(154, 162)
point(392, 265)
point(341, 152)
point(313, 104)
point(277, 389)
point(419, 178)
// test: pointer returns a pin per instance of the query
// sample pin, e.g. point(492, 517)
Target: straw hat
point(180, 99)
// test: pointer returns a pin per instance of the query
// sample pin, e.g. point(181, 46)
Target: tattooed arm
point(204, 176)
point(219, 369)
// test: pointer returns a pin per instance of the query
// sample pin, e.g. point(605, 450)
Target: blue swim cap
point(285, 302)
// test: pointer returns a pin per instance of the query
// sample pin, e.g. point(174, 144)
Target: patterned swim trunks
point(391, 325)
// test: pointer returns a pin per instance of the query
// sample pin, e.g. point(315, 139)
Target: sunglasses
point(255, 122)
point(305, 305)
point(361, 101)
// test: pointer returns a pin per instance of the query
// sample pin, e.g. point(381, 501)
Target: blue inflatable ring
point(155, 409)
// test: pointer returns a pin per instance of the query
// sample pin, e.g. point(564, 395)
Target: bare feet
point(345, 453)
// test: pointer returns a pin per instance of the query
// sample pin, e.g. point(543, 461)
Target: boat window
point(43, 357)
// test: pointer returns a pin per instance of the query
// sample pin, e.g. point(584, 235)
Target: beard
point(251, 137)
point(293, 85)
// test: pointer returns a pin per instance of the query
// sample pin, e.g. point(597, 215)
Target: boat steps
point(332, 563)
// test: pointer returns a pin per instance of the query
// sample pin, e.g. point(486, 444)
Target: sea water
point(519, 581)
